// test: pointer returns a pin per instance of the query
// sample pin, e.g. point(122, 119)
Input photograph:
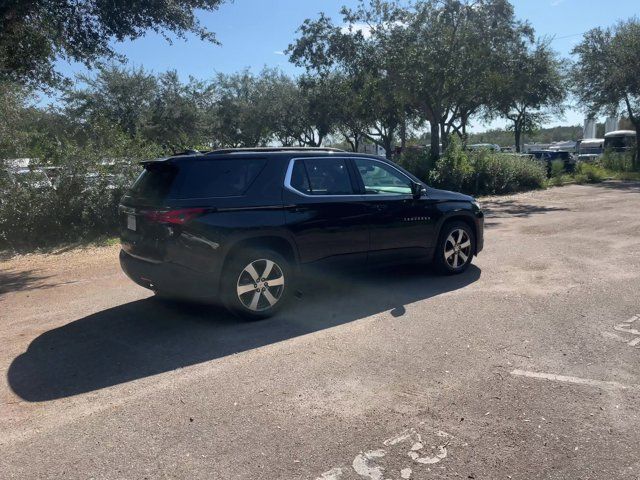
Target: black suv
point(238, 225)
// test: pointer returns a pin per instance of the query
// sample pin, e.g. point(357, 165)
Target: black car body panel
point(180, 242)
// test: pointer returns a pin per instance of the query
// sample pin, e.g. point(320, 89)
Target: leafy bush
point(418, 162)
point(81, 203)
point(617, 162)
point(500, 173)
point(590, 173)
point(453, 170)
point(557, 168)
point(483, 172)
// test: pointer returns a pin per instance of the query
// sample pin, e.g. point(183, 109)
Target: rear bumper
point(169, 278)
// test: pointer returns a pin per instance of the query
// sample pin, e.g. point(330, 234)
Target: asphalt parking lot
point(526, 366)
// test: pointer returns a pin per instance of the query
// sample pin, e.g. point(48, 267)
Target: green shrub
point(483, 172)
point(417, 161)
point(590, 173)
point(453, 169)
point(500, 173)
point(557, 168)
point(617, 162)
point(81, 204)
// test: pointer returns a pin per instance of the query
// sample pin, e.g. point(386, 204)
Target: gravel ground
point(524, 367)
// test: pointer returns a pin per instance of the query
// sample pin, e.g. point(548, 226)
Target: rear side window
point(197, 179)
point(217, 178)
point(325, 176)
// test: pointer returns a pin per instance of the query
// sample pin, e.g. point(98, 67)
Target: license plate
point(131, 222)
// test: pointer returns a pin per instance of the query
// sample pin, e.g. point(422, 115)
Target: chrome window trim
point(287, 177)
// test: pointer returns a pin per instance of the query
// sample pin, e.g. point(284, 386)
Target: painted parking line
point(607, 385)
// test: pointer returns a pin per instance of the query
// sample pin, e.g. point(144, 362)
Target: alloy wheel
point(260, 285)
point(457, 248)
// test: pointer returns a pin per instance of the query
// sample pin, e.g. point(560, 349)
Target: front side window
point(382, 179)
point(323, 176)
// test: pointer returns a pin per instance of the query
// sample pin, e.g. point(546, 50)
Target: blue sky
point(253, 34)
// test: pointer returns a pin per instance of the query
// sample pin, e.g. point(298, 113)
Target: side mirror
point(417, 190)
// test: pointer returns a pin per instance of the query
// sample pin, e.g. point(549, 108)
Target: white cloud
point(279, 52)
point(555, 3)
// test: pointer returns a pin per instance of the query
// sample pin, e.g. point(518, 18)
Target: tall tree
point(326, 49)
point(455, 50)
point(14, 101)
point(241, 110)
point(35, 33)
point(606, 77)
point(120, 96)
point(175, 114)
point(532, 87)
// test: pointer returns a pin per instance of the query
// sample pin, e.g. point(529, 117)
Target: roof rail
point(273, 149)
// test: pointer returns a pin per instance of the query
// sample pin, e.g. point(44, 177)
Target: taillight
point(173, 217)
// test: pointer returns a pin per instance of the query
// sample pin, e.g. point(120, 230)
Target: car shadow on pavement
point(148, 337)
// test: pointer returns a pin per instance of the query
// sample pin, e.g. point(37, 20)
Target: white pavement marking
point(364, 467)
point(626, 327)
point(405, 473)
point(366, 464)
point(569, 379)
point(333, 474)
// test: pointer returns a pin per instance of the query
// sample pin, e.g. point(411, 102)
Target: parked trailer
point(620, 141)
point(590, 149)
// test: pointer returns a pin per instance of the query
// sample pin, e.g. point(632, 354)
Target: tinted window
point(217, 178)
point(326, 176)
point(197, 179)
point(382, 179)
point(155, 182)
point(299, 178)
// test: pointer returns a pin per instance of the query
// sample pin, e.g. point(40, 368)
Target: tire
point(248, 292)
point(456, 248)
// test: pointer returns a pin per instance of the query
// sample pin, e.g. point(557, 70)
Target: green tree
point(14, 102)
point(532, 88)
point(35, 33)
point(116, 95)
point(240, 112)
point(455, 53)
point(366, 59)
point(605, 77)
point(175, 119)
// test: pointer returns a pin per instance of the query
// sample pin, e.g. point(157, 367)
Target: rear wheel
point(455, 249)
point(257, 284)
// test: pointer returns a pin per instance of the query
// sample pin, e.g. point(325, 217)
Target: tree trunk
point(387, 144)
point(435, 140)
point(518, 132)
point(403, 134)
point(636, 157)
point(444, 136)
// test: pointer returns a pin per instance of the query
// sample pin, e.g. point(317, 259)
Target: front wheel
point(257, 284)
point(455, 249)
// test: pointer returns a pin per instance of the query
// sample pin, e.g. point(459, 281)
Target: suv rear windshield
point(196, 179)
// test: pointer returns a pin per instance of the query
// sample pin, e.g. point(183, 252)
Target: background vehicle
point(620, 140)
point(484, 146)
point(238, 225)
point(548, 156)
point(590, 149)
